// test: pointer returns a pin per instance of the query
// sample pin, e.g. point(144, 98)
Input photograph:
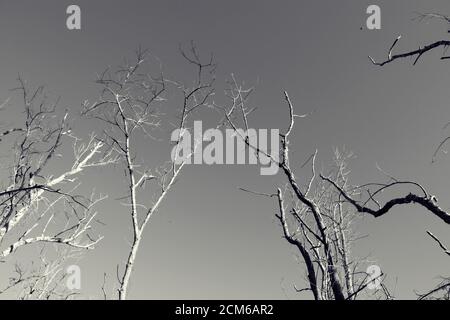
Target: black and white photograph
point(243, 152)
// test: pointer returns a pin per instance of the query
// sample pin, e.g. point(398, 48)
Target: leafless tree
point(330, 248)
point(313, 219)
point(321, 207)
point(130, 106)
point(37, 205)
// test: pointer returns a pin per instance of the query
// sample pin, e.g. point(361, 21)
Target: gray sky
point(210, 240)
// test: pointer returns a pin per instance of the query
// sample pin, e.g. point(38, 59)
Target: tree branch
point(428, 202)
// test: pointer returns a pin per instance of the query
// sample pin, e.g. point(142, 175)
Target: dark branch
point(418, 53)
point(426, 202)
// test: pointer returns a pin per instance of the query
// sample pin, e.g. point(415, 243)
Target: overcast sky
point(210, 240)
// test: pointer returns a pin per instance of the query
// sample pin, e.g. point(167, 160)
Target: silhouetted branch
point(417, 53)
point(428, 202)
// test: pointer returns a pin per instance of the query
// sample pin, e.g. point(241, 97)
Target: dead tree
point(315, 219)
point(329, 250)
point(37, 205)
point(322, 232)
point(130, 108)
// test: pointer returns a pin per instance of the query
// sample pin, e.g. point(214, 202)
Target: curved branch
point(426, 202)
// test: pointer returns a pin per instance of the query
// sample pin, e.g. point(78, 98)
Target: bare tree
point(130, 107)
point(330, 249)
point(315, 222)
point(38, 205)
